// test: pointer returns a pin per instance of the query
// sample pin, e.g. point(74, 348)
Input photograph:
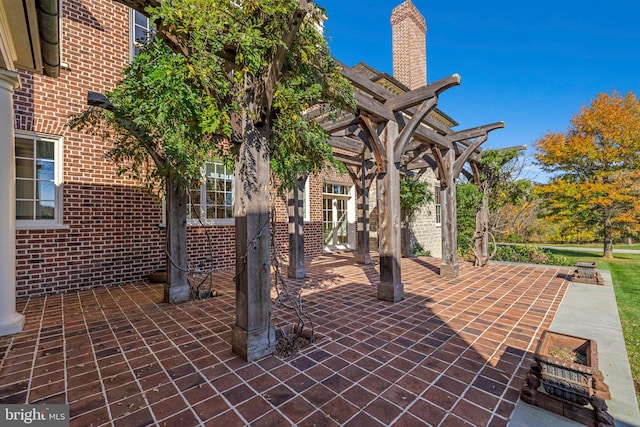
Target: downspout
point(49, 28)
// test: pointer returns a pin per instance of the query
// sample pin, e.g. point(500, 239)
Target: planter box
point(586, 270)
point(567, 365)
point(567, 368)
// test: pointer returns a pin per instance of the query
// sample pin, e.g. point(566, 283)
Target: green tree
point(496, 184)
point(413, 195)
point(468, 198)
point(231, 81)
point(596, 169)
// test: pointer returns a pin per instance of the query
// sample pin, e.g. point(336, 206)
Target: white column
point(11, 322)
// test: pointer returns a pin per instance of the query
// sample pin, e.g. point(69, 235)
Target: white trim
point(220, 222)
point(63, 63)
point(131, 34)
point(7, 47)
point(57, 222)
point(32, 13)
point(350, 214)
point(41, 226)
point(307, 202)
point(338, 195)
point(11, 81)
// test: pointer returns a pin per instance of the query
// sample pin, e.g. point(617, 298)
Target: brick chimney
point(409, 41)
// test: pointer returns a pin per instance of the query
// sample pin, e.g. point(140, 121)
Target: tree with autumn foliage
point(596, 169)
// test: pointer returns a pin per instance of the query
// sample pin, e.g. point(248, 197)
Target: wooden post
point(390, 287)
point(482, 233)
point(177, 288)
point(363, 240)
point(253, 336)
point(297, 268)
point(406, 233)
point(449, 266)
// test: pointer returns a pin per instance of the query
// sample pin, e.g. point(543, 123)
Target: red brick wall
point(112, 232)
point(112, 238)
point(313, 244)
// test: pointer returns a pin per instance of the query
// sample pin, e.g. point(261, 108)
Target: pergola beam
point(366, 85)
point(347, 144)
point(348, 160)
point(378, 148)
point(417, 96)
point(432, 138)
point(372, 106)
point(474, 132)
point(340, 124)
point(407, 132)
point(421, 162)
point(458, 164)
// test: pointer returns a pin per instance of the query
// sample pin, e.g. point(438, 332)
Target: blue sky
point(532, 65)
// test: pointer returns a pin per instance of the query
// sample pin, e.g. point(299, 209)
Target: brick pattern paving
point(453, 352)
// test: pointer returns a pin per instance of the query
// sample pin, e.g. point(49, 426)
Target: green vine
point(413, 195)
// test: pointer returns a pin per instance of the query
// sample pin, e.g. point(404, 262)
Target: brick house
point(79, 225)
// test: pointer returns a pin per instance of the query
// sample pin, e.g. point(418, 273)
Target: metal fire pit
point(570, 382)
point(586, 270)
point(562, 378)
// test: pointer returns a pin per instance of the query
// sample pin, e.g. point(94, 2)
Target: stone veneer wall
point(423, 227)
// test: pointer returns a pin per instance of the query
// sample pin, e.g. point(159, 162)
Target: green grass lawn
point(625, 271)
point(590, 245)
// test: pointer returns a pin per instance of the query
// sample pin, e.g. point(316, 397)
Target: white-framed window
point(212, 201)
point(438, 205)
point(140, 31)
point(38, 180)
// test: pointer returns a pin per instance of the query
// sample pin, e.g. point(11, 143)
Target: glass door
point(334, 216)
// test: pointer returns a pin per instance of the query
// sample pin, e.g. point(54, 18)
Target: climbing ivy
point(413, 195)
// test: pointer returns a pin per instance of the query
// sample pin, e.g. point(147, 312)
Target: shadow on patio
point(453, 352)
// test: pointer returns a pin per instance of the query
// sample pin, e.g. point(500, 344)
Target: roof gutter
point(49, 27)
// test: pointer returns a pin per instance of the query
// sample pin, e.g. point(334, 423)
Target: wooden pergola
point(394, 132)
point(389, 135)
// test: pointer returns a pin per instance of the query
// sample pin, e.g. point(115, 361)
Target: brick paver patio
point(453, 352)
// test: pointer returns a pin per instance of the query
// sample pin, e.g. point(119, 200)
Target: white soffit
point(19, 35)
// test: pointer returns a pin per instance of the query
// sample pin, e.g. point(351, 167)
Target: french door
point(335, 230)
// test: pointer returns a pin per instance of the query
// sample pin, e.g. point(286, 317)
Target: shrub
point(419, 250)
point(528, 254)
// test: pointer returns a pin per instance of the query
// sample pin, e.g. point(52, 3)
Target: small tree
point(596, 167)
point(468, 199)
point(496, 185)
point(164, 127)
